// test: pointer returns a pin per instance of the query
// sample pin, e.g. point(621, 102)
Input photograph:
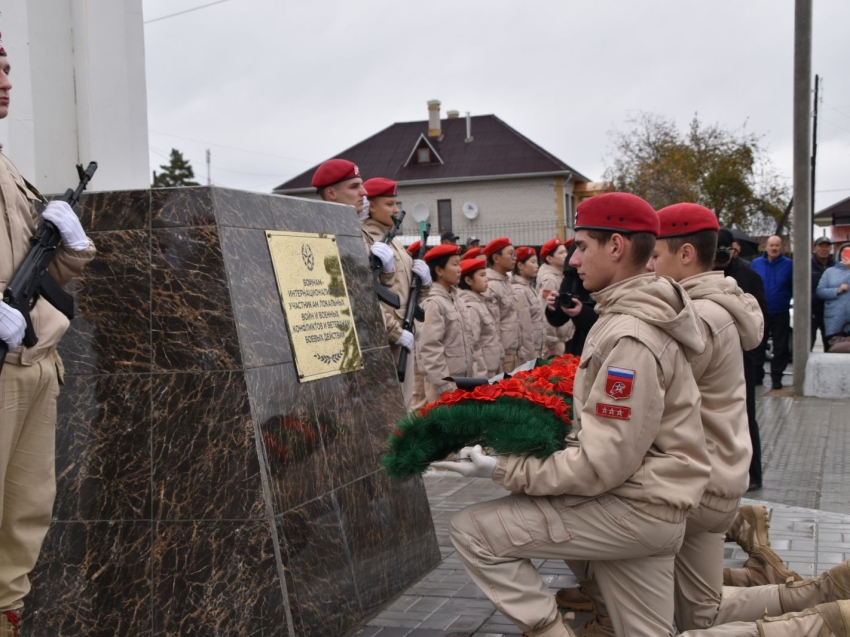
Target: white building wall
point(529, 211)
point(78, 92)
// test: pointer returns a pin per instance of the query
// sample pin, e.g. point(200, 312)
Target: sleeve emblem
point(619, 382)
point(613, 411)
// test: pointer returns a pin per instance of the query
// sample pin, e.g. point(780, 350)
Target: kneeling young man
point(635, 463)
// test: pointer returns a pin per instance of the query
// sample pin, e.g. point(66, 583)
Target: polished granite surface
point(201, 489)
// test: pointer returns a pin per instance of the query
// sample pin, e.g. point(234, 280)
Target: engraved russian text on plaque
point(315, 302)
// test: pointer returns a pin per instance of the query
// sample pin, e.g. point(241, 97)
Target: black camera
point(722, 256)
point(566, 301)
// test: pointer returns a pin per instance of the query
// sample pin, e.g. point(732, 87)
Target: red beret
point(413, 248)
point(524, 253)
point(441, 251)
point(549, 247)
point(468, 266)
point(380, 187)
point(682, 219)
point(472, 253)
point(616, 212)
point(334, 171)
point(495, 245)
point(569, 242)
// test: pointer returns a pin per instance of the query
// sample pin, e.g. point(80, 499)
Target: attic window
point(423, 152)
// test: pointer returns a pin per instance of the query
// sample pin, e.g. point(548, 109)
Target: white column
point(78, 75)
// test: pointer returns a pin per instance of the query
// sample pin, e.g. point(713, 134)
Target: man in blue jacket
point(777, 272)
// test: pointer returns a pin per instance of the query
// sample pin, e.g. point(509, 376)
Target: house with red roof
point(473, 176)
point(837, 218)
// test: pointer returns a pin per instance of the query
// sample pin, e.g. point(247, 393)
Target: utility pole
point(802, 189)
point(814, 144)
point(209, 178)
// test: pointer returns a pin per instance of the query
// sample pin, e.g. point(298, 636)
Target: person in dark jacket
point(777, 273)
point(750, 282)
point(582, 313)
point(822, 259)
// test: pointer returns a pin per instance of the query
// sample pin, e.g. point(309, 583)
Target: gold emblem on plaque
point(315, 302)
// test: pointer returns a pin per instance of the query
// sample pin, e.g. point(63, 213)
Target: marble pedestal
point(201, 489)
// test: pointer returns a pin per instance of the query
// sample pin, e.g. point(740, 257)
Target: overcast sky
point(273, 87)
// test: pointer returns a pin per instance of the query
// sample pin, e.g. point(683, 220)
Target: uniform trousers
point(27, 471)
point(701, 600)
point(418, 400)
point(808, 623)
point(497, 540)
point(510, 362)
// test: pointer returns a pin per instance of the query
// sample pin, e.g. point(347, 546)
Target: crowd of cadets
point(648, 488)
point(484, 307)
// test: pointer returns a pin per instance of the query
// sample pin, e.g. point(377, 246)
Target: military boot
point(832, 586)
point(749, 528)
point(573, 599)
point(763, 567)
point(825, 620)
point(9, 623)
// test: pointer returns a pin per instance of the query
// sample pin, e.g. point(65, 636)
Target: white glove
point(385, 254)
point(73, 236)
point(364, 214)
point(421, 268)
point(406, 340)
point(12, 326)
point(481, 466)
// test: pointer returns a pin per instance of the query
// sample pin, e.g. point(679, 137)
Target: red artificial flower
point(487, 392)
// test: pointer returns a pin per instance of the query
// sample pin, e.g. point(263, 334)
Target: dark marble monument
point(202, 490)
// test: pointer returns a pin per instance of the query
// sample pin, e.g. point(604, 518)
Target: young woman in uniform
point(553, 255)
point(486, 345)
point(532, 320)
point(443, 342)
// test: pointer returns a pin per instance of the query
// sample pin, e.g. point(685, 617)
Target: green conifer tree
point(175, 174)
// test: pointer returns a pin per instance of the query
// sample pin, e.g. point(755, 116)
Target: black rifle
point(384, 295)
point(32, 281)
point(414, 311)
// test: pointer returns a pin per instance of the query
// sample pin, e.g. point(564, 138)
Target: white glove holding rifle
point(406, 340)
point(472, 464)
point(12, 326)
point(63, 217)
point(421, 268)
point(385, 254)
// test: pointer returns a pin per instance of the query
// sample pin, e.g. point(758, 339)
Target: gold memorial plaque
point(315, 302)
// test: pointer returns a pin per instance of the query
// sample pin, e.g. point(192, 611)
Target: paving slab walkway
point(807, 481)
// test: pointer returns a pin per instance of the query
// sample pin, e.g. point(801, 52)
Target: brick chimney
point(434, 118)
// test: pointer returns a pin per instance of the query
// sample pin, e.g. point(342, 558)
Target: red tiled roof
point(496, 150)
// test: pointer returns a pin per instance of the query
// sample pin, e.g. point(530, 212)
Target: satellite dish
point(470, 210)
point(421, 212)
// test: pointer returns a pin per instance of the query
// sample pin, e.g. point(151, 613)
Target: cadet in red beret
point(443, 345)
point(501, 258)
point(532, 322)
point(730, 321)
point(338, 180)
point(399, 266)
point(553, 255)
point(638, 432)
point(475, 253)
point(487, 350)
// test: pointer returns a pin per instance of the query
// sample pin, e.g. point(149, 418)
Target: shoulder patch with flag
point(619, 382)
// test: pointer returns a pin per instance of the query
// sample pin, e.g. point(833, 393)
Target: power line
point(172, 15)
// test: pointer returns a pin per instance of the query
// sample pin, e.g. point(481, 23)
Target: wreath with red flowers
point(530, 412)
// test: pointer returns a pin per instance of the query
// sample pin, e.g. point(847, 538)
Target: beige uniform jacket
point(486, 345)
point(549, 278)
point(20, 223)
point(532, 320)
point(639, 438)
point(397, 281)
point(732, 322)
point(504, 309)
point(443, 342)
